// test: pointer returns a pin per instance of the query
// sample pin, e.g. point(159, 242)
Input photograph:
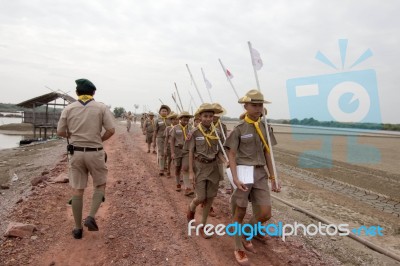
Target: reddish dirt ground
point(143, 221)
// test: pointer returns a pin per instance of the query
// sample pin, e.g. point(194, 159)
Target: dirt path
point(143, 221)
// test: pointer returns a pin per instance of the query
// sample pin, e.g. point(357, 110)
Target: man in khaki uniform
point(82, 122)
point(203, 167)
point(148, 130)
point(173, 117)
point(248, 147)
point(160, 124)
point(179, 155)
point(129, 118)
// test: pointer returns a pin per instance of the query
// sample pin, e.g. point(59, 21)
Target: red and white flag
point(256, 59)
point(229, 74)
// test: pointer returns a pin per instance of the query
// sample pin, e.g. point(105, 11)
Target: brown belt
point(85, 149)
point(257, 166)
point(203, 160)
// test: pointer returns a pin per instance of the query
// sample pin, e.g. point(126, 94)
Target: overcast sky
point(134, 51)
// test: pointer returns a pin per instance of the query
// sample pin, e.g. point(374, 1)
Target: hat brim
point(215, 111)
point(165, 107)
point(189, 116)
point(254, 101)
point(222, 113)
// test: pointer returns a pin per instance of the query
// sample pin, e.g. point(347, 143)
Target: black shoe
point(77, 233)
point(90, 223)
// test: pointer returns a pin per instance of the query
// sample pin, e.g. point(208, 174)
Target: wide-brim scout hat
point(150, 114)
point(253, 96)
point(166, 107)
point(218, 106)
point(172, 115)
point(208, 107)
point(185, 114)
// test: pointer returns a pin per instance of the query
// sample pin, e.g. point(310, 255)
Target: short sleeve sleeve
point(232, 142)
point(62, 123)
point(108, 119)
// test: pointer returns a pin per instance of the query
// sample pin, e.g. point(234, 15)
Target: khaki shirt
point(167, 134)
point(129, 118)
point(161, 124)
point(177, 134)
point(199, 146)
point(149, 126)
point(224, 128)
point(245, 140)
point(85, 123)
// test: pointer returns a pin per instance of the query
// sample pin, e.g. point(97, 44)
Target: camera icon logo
point(346, 96)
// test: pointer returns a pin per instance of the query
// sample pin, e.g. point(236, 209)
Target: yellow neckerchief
point(184, 130)
point(163, 118)
point(258, 129)
point(85, 98)
point(216, 125)
point(207, 136)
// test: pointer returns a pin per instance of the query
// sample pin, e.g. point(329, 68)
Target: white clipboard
point(245, 174)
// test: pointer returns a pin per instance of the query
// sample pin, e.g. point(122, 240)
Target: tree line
point(313, 122)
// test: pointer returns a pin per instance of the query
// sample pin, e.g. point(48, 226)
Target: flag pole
point(230, 81)
point(160, 101)
point(194, 82)
point(179, 97)
point(194, 102)
point(212, 124)
point(265, 118)
point(208, 90)
point(177, 106)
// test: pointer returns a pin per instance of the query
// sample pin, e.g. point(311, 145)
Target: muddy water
point(9, 141)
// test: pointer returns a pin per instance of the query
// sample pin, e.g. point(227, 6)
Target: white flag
point(229, 74)
point(208, 83)
point(256, 59)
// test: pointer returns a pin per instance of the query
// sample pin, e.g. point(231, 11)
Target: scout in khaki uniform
point(148, 129)
point(142, 120)
point(180, 155)
point(247, 146)
point(129, 118)
point(173, 117)
point(161, 123)
point(82, 122)
point(203, 167)
point(196, 120)
point(218, 124)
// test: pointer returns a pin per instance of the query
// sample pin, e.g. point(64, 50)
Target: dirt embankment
point(143, 222)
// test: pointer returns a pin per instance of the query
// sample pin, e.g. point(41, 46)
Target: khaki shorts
point(181, 157)
point(83, 163)
point(149, 138)
point(258, 193)
point(206, 189)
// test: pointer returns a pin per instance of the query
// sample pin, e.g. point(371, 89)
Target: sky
point(134, 51)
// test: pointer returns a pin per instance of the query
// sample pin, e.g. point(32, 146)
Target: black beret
point(85, 84)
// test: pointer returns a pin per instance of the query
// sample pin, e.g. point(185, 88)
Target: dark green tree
point(118, 111)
